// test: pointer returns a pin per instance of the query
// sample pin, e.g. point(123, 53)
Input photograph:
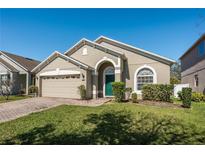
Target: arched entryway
point(106, 75)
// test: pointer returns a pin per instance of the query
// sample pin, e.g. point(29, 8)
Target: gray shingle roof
point(27, 63)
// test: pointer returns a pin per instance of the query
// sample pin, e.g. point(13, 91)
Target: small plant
point(134, 98)
point(82, 91)
point(197, 97)
point(33, 89)
point(186, 97)
point(118, 89)
point(128, 91)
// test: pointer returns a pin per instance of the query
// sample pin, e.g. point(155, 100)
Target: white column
point(27, 82)
point(95, 84)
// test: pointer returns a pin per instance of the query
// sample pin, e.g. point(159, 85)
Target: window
point(201, 48)
point(144, 76)
point(196, 80)
point(5, 77)
point(110, 70)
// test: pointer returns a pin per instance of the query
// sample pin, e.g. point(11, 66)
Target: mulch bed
point(159, 103)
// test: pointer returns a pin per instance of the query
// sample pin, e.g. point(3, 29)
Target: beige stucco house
point(17, 70)
point(193, 66)
point(96, 64)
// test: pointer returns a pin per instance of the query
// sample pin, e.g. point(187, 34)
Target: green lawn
point(108, 124)
point(12, 98)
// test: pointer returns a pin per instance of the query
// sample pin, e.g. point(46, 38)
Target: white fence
point(178, 87)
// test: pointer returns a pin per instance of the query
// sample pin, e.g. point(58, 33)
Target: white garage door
point(65, 87)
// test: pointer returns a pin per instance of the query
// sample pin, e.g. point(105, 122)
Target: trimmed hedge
point(197, 97)
point(158, 92)
point(118, 89)
point(186, 97)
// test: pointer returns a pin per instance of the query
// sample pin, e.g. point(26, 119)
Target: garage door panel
point(66, 88)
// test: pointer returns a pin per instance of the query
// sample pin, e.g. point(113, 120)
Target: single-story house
point(96, 64)
point(193, 66)
point(17, 69)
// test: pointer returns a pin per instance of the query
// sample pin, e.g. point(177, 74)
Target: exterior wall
point(15, 78)
point(188, 76)
point(93, 56)
point(192, 57)
point(3, 70)
point(62, 64)
point(135, 61)
point(22, 82)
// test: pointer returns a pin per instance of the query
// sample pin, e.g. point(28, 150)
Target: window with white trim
point(5, 77)
point(109, 70)
point(144, 76)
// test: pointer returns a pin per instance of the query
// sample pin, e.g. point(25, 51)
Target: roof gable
point(134, 49)
point(53, 56)
point(26, 63)
point(93, 44)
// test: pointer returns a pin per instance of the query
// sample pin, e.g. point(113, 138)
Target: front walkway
point(15, 109)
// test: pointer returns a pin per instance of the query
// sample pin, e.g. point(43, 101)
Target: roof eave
point(193, 45)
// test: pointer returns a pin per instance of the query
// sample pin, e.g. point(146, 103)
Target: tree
point(6, 88)
point(175, 73)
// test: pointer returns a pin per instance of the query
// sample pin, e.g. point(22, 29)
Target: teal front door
point(109, 78)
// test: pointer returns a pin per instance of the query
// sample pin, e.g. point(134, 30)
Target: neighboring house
point(193, 65)
point(96, 64)
point(17, 69)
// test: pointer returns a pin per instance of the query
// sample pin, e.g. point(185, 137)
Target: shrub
point(158, 92)
point(148, 92)
point(32, 89)
point(118, 89)
point(180, 95)
point(134, 98)
point(203, 98)
point(197, 97)
point(82, 91)
point(22, 91)
point(186, 97)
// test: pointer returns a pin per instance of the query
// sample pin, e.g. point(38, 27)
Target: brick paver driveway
point(16, 109)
